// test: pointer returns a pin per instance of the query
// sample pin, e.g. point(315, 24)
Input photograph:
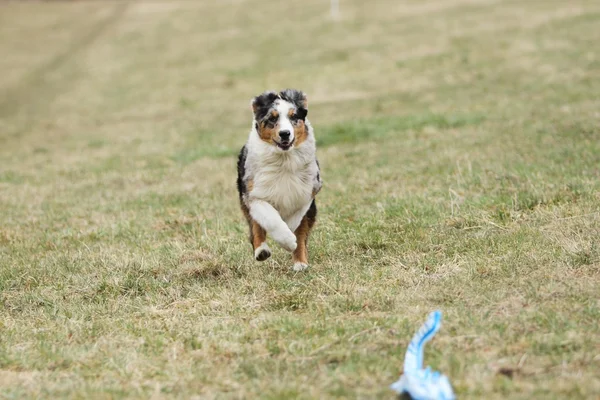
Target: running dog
point(279, 175)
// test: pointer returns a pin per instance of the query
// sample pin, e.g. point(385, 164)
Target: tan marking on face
point(268, 133)
point(249, 185)
point(300, 132)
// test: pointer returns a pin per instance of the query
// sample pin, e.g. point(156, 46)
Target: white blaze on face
point(283, 108)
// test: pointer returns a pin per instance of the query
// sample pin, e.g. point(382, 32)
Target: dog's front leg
point(270, 220)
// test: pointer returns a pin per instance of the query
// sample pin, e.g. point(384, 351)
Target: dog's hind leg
point(300, 255)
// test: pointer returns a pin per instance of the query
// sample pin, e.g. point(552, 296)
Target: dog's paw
point(262, 252)
point(286, 239)
point(299, 266)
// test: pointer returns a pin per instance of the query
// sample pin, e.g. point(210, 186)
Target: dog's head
point(280, 118)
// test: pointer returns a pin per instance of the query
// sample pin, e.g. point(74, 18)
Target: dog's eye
point(273, 118)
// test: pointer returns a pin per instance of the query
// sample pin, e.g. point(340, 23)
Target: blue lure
point(419, 383)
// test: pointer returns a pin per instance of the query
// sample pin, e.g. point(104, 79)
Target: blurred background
point(460, 150)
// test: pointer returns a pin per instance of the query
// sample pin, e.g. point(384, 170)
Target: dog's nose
point(284, 135)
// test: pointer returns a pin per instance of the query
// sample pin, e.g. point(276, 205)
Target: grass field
point(459, 142)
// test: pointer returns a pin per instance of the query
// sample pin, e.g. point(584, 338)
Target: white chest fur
point(286, 184)
point(283, 179)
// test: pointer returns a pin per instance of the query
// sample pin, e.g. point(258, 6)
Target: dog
point(279, 175)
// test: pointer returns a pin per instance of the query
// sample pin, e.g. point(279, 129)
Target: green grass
point(460, 149)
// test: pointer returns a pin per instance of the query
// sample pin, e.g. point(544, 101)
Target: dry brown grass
point(460, 150)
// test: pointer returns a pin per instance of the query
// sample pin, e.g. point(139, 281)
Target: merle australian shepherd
point(278, 175)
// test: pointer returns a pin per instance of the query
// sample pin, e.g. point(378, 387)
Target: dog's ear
point(261, 104)
point(296, 97)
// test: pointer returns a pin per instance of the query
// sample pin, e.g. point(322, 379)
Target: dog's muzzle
point(285, 145)
point(284, 142)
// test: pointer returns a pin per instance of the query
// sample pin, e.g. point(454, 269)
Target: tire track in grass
point(34, 91)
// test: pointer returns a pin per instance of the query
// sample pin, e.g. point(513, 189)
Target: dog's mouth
point(285, 146)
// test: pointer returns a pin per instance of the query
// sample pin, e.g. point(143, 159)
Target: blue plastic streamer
point(419, 383)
